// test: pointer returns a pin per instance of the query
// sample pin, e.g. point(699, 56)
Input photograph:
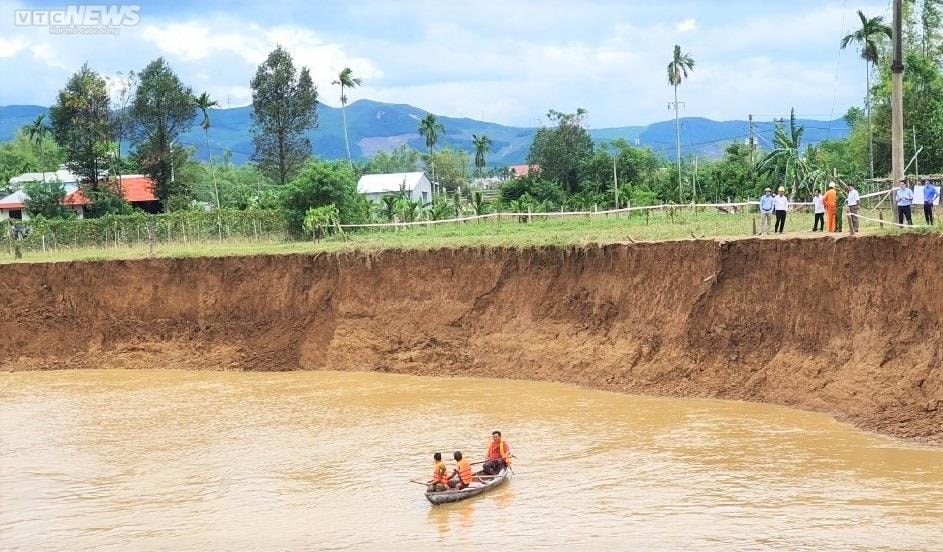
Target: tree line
point(146, 112)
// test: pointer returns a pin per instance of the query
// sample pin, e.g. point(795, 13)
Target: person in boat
point(462, 474)
point(440, 475)
point(499, 455)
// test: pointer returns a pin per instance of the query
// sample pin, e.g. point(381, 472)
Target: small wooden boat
point(481, 484)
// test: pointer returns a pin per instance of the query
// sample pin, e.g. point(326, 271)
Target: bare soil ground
point(848, 326)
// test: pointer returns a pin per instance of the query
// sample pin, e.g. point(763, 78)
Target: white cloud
point(10, 47)
point(686, 26)
point(192, 42)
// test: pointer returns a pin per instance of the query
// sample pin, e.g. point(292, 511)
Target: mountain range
point(376, 126)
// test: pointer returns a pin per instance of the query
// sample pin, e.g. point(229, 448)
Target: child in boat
point(462, 474)
point(440, 478)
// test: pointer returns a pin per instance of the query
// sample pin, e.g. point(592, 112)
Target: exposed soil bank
point(850, 327)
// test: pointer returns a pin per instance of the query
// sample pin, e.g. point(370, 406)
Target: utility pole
point(897, 100)
point(615, 182)
point(752, 141)
point(694, 183)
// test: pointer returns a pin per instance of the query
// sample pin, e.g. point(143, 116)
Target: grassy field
point(658, 226)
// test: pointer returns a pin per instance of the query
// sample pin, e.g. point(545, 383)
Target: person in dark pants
point(780, 206)
point(930, 193)
point(905, 198)
point(818, 207)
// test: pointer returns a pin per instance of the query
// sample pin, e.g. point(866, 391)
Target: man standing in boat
point(499, 455)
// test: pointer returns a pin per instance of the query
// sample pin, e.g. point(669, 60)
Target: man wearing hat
point(830, 199)
point(780, 207)
point(766, 211)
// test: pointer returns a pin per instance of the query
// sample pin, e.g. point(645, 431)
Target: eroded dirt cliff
point(851, 327)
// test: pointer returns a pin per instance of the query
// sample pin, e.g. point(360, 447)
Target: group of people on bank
point(825, 207)
point(497, 458)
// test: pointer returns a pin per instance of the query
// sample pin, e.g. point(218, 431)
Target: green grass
point(576, 231)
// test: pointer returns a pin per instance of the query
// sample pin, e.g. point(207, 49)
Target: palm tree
point(429, 128)
point(36, 133)
point(482, 146)
point(678, 70)
point(784, 163)
point(346, 80)
point(204, 103)
point(872, 32)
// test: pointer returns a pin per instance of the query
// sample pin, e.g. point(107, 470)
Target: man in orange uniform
point(462, 470)
point(831, 205)
point(440, 478)
point(499, 455)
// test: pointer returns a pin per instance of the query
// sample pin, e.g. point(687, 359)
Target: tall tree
point(679, 67)
point(284, 107)
point(204, 103)
point(124, 87)
point(162, 110)
point(482, 147)
point(346, 80)
point(429, 128)
point(560, 152)
point(869, 37)
point(37, 131)
point(81, 125)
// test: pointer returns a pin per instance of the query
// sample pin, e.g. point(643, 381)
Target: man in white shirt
point(854, 198)
point(818, 207)
point(780, 206)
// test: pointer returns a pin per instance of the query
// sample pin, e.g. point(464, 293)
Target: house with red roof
point(518, 171)
point(136, 189)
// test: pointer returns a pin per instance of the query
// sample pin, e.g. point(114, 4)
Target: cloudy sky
point(504, 61)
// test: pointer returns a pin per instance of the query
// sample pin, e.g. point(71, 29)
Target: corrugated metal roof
point(392, 182)
point(62, 175)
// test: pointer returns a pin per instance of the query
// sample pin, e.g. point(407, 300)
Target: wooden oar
point(418, 482)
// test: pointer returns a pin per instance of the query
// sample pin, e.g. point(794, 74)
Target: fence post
point(648, 213)
point(754, 225)
point(44, 242)
point(528, 215)
point(881, 216)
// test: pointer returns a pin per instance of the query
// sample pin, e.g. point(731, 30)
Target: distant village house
point(136, 189)
point(415, 185)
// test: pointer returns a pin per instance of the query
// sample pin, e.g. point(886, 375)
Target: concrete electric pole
point(897, 101)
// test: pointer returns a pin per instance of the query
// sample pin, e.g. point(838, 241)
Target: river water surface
point(166, 460)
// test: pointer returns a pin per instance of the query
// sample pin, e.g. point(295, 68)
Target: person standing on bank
point(780, 206)
point(930, 193)
point(831, 206)
point(905, 198)
point(766, 211)
point(818, 207)
point(854, 198)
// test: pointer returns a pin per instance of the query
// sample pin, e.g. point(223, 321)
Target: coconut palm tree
point(429, 128)
point(681, 64)
point(868, 37)
point(36, 133)
point(346, 80)
point(204, 103)
point(482, 146)
point(785, 164)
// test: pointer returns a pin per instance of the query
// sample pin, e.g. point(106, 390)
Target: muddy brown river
point(167, 460)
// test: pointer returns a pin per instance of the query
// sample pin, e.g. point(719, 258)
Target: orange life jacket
point(440, 474)
point(499, 451)
point(464, 471)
